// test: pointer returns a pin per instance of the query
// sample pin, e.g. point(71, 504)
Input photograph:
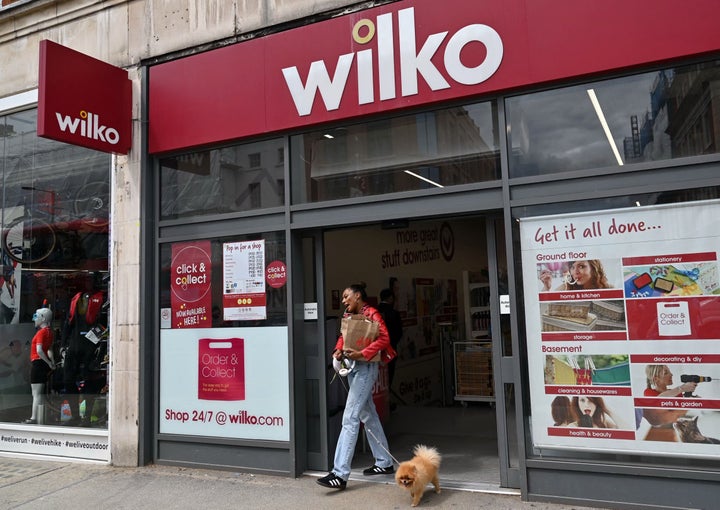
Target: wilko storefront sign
point(405, 55)
point(88, 125)
point(190, 285)
point(411, 59)
point(83, 101)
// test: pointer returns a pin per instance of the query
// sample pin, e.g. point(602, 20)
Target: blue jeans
point(360, 408)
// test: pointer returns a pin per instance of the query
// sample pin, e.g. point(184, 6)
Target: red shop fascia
point(408, 54)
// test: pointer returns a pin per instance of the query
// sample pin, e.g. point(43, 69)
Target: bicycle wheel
point(92, 203)
point(27, 240)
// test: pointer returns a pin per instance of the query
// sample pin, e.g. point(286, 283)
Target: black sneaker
point(332, 481)
point(375, 470)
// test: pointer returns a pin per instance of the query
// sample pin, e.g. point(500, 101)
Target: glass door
point(311, 359)
point(504, 375)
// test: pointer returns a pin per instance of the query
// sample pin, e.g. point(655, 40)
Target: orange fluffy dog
point(417, 472)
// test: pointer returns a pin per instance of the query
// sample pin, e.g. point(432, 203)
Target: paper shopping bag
point(358, 332)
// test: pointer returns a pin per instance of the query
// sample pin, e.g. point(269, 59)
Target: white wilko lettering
point(90, 127)
point(413, 62)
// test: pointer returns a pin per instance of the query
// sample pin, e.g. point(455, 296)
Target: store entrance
point(446, 277)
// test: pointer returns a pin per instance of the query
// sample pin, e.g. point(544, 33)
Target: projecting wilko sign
point(412, 62)
point(88, 125)
point(83, 101)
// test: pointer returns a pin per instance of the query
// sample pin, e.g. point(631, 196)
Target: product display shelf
point(477, 306)
point(473, 358)
point(473, 372)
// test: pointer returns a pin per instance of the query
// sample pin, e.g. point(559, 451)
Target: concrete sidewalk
point(35, 484)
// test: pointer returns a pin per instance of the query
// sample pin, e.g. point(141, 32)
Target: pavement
point(28, 484)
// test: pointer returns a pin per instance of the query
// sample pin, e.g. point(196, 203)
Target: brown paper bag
point(358, 332)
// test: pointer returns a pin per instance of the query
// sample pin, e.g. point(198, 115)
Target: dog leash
point(347, 390)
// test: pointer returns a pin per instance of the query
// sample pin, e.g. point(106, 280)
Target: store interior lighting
point(604, 124)
point(424, 179)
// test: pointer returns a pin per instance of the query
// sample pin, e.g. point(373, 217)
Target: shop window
point(224, 180)
point(224, 337)
point(423, 151)
point(254, 189)
point(217, 304)
point(379, 141)
point(652, 116)
point(707, 134)
point(281, 189)
point(651, 401)
point(54, 253)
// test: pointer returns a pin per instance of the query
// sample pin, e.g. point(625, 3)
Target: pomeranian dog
point(416, 473)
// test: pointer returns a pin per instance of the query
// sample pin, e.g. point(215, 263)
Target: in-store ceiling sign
point(409, 54)
point(83, 101)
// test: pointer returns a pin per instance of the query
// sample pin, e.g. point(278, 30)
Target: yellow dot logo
point(83, 114)
point(369, 29)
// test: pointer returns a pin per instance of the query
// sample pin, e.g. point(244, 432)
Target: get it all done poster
point(623, 326)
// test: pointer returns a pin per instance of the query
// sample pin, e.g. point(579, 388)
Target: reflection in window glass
point(55, 220)
point(421, 151)
point(503, 286)
point(232, 179)
point(647, 117)
point(513, 447)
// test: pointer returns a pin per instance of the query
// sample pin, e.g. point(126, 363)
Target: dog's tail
point(428, 453)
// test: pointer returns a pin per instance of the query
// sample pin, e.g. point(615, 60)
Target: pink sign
point(190, 276)
point(276, 274)
point(221, 369)
point(676, 318)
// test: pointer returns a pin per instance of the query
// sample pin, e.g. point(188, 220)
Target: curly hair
point(359, 287)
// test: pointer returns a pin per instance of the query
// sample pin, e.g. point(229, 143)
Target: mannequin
point(84, 312)
point(41, 359)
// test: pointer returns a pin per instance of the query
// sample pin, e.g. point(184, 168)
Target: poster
point(244, 296)
point(418, 379)
point(216, 382)
point(623, 326)
point(190, 283)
